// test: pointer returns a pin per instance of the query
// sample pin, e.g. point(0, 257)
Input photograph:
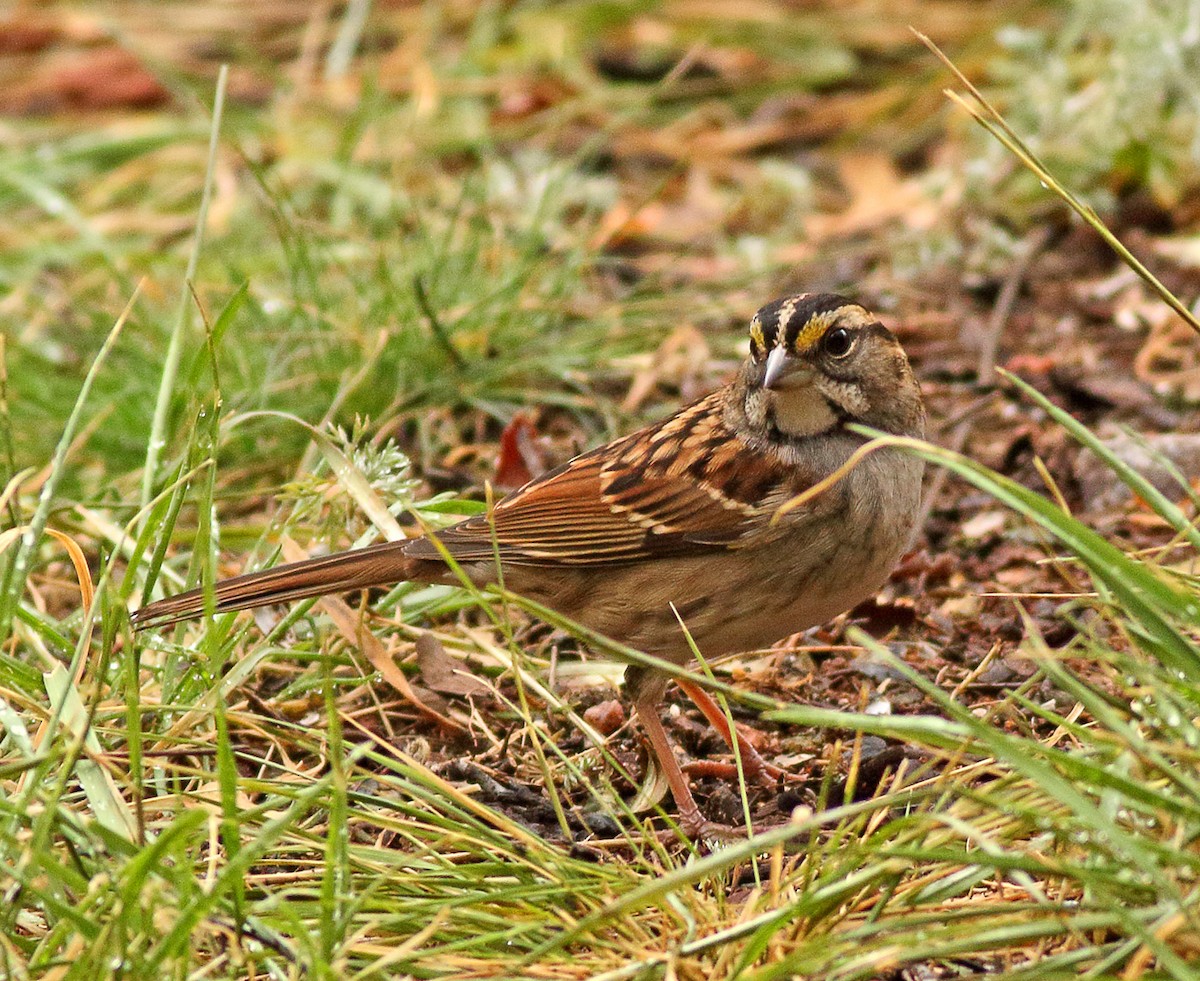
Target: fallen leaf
point(984, 524)
point(519, 459)
point(24, 34)
point(681, 356)
point(878, 194)
point(88, 80)
point(1169, 360)
point(442, 673)
point(1102, 489)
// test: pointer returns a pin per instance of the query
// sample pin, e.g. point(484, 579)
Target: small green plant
point(1107, 98)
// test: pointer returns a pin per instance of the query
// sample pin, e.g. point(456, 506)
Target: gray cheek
point(849, 396)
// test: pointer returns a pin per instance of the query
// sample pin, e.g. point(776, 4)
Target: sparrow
point(684, 520)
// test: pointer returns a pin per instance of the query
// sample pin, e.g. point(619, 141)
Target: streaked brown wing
point(627, 501)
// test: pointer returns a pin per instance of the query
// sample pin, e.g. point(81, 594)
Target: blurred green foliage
point(1109, 99)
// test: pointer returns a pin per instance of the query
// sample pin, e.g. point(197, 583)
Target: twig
point(986, 371)
point(985, 374)
point(956, 442)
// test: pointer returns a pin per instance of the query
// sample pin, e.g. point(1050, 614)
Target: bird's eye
point(838, 342)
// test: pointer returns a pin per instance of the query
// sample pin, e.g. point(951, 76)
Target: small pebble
point(605, 717)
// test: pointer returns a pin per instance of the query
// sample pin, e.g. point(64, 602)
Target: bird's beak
point(783, 370)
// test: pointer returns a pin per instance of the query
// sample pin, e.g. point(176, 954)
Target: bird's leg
point(754, 766)
point(646, 704)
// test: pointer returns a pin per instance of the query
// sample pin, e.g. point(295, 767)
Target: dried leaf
point(878, 194)
point(520, 459)
point(442, 673)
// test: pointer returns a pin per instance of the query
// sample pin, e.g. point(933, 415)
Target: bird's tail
point(360, 568)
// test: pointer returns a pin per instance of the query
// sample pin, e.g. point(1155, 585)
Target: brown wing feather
point(628, 501)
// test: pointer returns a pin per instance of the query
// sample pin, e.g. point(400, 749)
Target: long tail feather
point(376, 565)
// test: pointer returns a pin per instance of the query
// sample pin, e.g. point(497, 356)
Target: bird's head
point(818, 360)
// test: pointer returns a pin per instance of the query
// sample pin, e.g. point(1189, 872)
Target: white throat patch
point(802, 411)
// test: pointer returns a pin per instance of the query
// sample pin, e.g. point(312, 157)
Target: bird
point(686, 520)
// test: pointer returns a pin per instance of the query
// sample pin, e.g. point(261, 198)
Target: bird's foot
point(753, 766)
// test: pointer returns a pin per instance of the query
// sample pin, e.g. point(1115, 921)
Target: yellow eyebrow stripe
point(756, 334)
point(814, 330)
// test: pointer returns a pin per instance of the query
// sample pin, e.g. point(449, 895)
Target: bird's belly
point(728, 604)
